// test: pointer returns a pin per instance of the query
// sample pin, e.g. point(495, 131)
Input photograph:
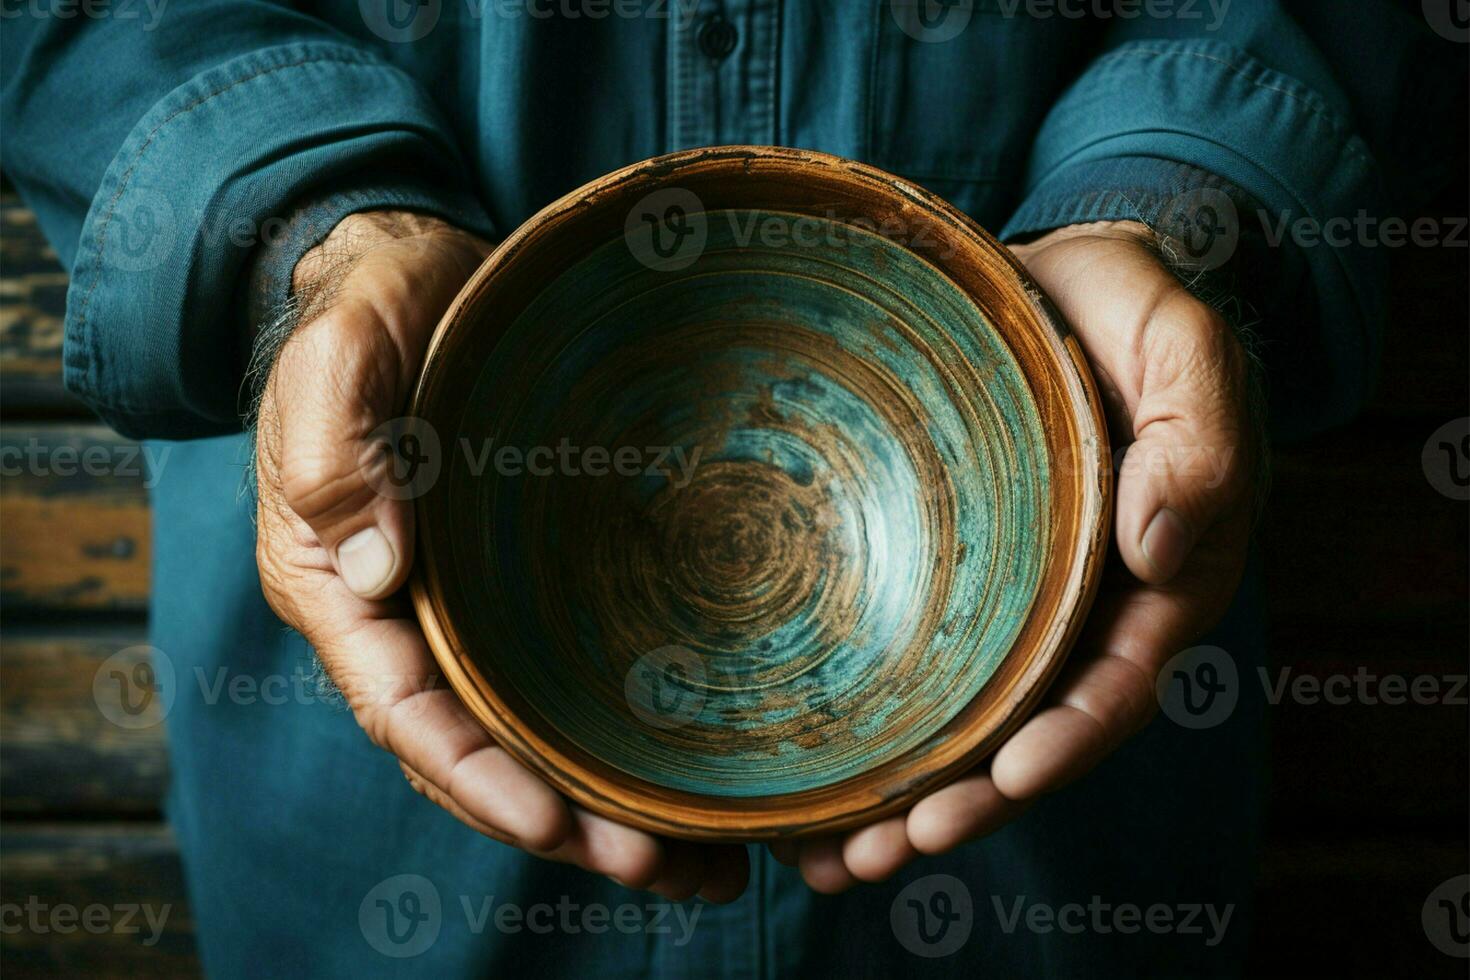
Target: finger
point(1107, 692)
point(384, 669)
point(682, 871)
point(628, 856)
point(1066, 740)
point(332, 386)
point(727, 873)
point(785, 851)
point(965, 810)
point(822, 866)
point(875, 852)
point(444, 801)
point(1187, 465)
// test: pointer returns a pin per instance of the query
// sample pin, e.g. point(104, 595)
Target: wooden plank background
point(1367, 567)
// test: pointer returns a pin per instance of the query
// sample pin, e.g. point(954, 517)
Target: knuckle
point(321, 485)
point(417, 782)
point(1120, 699)
point(277, 580)
point(641, 867)
point(371, 717)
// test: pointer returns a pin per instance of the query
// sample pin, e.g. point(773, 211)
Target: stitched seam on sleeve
point(1310, 105)
point(148, 141)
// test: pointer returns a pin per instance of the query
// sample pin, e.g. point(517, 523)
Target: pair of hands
point(333, 553)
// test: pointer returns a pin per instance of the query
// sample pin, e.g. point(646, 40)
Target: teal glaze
point(854, 555)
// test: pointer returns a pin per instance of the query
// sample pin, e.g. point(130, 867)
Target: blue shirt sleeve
point(1248, 107)
point(160, 156)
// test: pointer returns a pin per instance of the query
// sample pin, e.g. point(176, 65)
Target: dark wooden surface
point(81, 832)
point(1367, 566)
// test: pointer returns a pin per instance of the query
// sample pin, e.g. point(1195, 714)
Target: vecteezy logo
point(1198, 687)
point(1446, 459)
point(666, 688)
point(134, 688)
point(1446, 917)
point(403, 458)
point(932, 916)
point(1449, 18)
point(139, 232)
point(932, 21)
point(1200, 228)
point(400, 21)
point(400, 916)
point(667, 230)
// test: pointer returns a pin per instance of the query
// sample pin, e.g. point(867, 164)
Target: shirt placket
point(723, 58)
point(723, 941)
point(723, 78)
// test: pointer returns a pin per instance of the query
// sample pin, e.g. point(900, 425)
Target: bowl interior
point(752, 520)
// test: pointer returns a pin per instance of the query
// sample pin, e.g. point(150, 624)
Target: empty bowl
point(770, 494)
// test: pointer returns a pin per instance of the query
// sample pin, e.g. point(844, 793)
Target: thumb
point(337, 386)
point(1187, 466)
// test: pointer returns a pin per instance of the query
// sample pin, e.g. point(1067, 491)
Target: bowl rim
point(1076, 436)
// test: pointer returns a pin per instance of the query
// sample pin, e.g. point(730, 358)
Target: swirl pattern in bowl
point(843, 482)
point(794, 526)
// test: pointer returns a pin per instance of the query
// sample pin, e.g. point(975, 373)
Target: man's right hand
point(334, 554)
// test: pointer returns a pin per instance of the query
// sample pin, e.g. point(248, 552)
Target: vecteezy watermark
point(139, 231)
point(1364, 230)
point(1450, 19)
point(932, 916)
point(678, 10)
point(35, 457)
point(400, 21)
point(1100, 917)
point(142, 230)
point(134, 688)
point(406, 21)
point(405, 458)
point(567, 458)
point(1363, 686)
point(937, 21)
point(666, 687)
point(1200, 687)
point(1211, 13)
point(121, 918)
point(138, 686)
point(1446, 917)
point(1211, 464)
point(668, 230)
point(1199, 229)
point(1446, 459)
point(402, 917)
point(932, 21)
point(148, 11)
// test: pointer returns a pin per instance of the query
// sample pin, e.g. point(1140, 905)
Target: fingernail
point(365, 561)
point(1166, 543)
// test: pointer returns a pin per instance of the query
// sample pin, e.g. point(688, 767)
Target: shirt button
point(717, 37)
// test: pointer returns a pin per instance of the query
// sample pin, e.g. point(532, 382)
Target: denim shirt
point(168, 150)
point(162, 145)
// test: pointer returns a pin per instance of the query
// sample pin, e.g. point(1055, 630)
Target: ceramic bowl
point(772, 495)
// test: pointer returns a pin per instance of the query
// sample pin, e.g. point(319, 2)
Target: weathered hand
point(333, 553)
point(1174, 384)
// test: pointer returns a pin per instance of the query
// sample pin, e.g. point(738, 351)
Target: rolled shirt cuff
point(154, 339)
point(1154, 120)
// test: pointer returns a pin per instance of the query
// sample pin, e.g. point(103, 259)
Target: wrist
point(1122, 230)
point(356, 235)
